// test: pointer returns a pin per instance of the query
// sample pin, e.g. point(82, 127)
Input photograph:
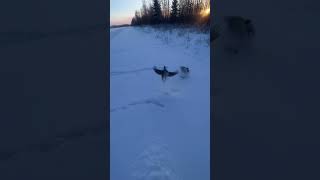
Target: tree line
point(178, 11)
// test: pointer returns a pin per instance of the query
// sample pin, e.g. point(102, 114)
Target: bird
point(164, 73)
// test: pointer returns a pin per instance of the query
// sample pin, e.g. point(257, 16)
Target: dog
point(184, 71)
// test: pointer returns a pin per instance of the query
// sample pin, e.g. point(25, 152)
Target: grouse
point(164, 73)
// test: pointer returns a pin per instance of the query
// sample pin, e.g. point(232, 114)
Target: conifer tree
point(174, 11)
point(157, 14)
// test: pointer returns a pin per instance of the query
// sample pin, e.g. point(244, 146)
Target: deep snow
point(159, 130)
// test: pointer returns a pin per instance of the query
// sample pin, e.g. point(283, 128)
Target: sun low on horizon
point(122, 11)
point(206, 12)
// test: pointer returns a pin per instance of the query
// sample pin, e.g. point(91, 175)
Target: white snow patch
point(159, 130)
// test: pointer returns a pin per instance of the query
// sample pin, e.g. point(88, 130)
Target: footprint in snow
point(171, 92)
point(154, 163)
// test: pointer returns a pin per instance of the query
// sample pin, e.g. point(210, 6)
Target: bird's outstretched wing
point(170, 74)
point(158, 71)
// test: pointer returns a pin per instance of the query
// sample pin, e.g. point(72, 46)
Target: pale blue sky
point(122, 11)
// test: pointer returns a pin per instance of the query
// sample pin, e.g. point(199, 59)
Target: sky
point(122, 11)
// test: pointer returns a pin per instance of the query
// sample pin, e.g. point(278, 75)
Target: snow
point(159, 130)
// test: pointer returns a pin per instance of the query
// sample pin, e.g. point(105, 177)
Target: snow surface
point(159, 130)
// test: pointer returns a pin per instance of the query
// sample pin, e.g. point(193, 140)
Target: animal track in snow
point(135, 103)
point(154, 163)
point(116, 73)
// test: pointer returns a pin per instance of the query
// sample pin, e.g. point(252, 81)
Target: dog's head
point(184, 69)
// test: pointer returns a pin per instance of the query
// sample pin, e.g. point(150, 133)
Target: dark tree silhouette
point(157, 13)
point(174, 11)
point(181, 11)
point(137, 18)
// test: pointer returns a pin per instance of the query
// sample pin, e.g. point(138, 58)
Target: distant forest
point(176, 12)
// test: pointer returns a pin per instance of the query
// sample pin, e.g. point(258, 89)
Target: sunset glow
point(122, 11)
point(205, 12)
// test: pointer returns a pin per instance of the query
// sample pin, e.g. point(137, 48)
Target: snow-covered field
point(159, 130)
